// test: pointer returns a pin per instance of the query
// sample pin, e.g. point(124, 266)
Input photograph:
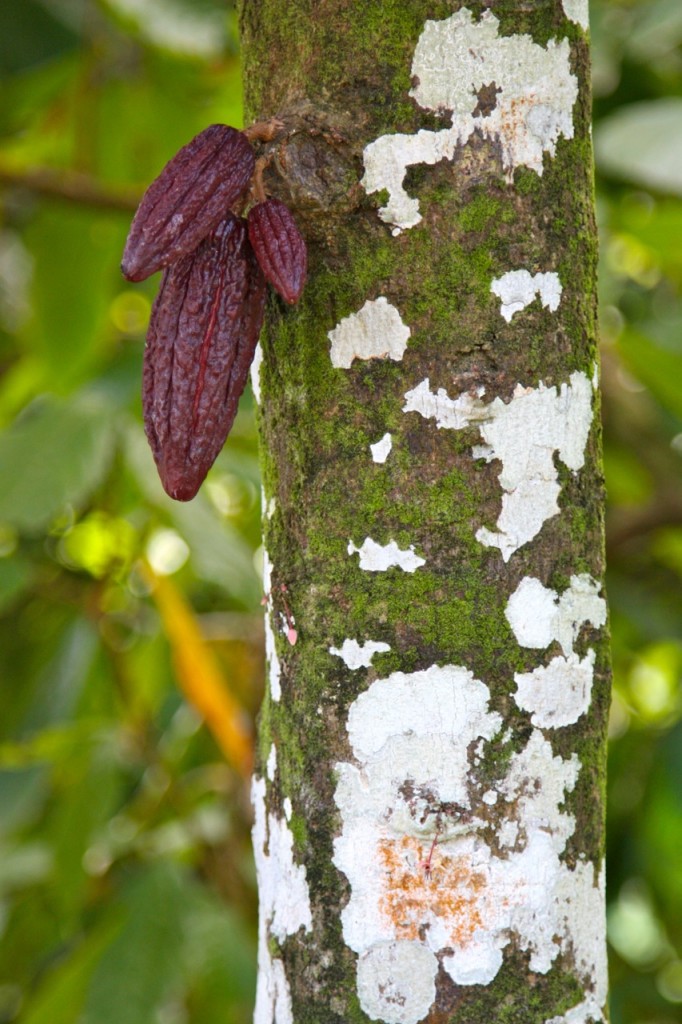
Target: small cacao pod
point(187, 200)
point(202, 335)
point(279, 247)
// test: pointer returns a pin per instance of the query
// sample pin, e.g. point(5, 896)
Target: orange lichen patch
point(449, 889)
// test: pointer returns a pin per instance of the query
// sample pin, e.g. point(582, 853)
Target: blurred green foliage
point(126, 880)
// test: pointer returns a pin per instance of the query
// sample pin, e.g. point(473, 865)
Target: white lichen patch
point(559, 693)
point(271, 656)
point(449, 413)
point(268, 505)
point(577, 11)
point(397, 981)
point(417, 845)
point(382, 449)
point(255, 372)
point(271, 764)
point(416, 705)
point(507, 88)
point(284, 906)
point(587, 898)
point(538, 616)
point(518, 288)
point(523, 434)
point(273, 995)
point(357, 656)
point(556, 694)
point(375, 332)
point(380, 557)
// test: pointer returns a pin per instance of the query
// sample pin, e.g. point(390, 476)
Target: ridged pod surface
point(279, 247)
point(202, 335)
point(188, 200)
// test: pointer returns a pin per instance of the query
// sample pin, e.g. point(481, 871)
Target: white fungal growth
point(508, 88)
point(355, 656)
point(523, 434)
point(577, 11)
point(375, 332)
point(420, 840)
point(518, 288)
point(284, 906)
point(381, 450)
point(380, 557)
point(538, 616)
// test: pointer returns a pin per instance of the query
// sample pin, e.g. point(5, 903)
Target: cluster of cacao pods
point(207, 316)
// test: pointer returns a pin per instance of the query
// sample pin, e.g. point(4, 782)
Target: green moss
point(264, 736)
point(299, 830)
point(527, 182)
point(480, 211)
point(543, 22)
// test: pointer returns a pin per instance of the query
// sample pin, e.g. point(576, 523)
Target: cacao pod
point(188, 200)
point(279, 247)
point(202, 335)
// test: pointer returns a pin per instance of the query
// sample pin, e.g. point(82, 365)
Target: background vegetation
point(127, 889)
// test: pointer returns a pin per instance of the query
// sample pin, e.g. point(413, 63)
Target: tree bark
point(429, 797)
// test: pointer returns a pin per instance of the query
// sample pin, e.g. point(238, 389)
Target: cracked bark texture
point(339, 75)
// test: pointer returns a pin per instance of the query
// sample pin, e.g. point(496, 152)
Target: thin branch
point(71, 187)
point(623, 527)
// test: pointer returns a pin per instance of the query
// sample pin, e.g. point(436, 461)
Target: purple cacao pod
point(279, 247)
point(188, 200)
point(202, 335)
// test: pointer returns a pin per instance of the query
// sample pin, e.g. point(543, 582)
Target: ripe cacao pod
point(279, 247)
point(202, 335)
point(188, 200)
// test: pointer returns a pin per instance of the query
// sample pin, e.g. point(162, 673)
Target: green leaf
point(23, 865)
point(643, 143)
point(76, 258)
point(22, 794)
point(53, 456)
point(196, 29)
point(138, 969)
point(30, 35)
point(220, 958)
point(58, 743)
point(658, 30)
point(659, 369)
point(87, 788)
point(219, 553)
point(16, 576)
point(61, 992)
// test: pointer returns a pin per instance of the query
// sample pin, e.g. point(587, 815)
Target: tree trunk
point(429, 799)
